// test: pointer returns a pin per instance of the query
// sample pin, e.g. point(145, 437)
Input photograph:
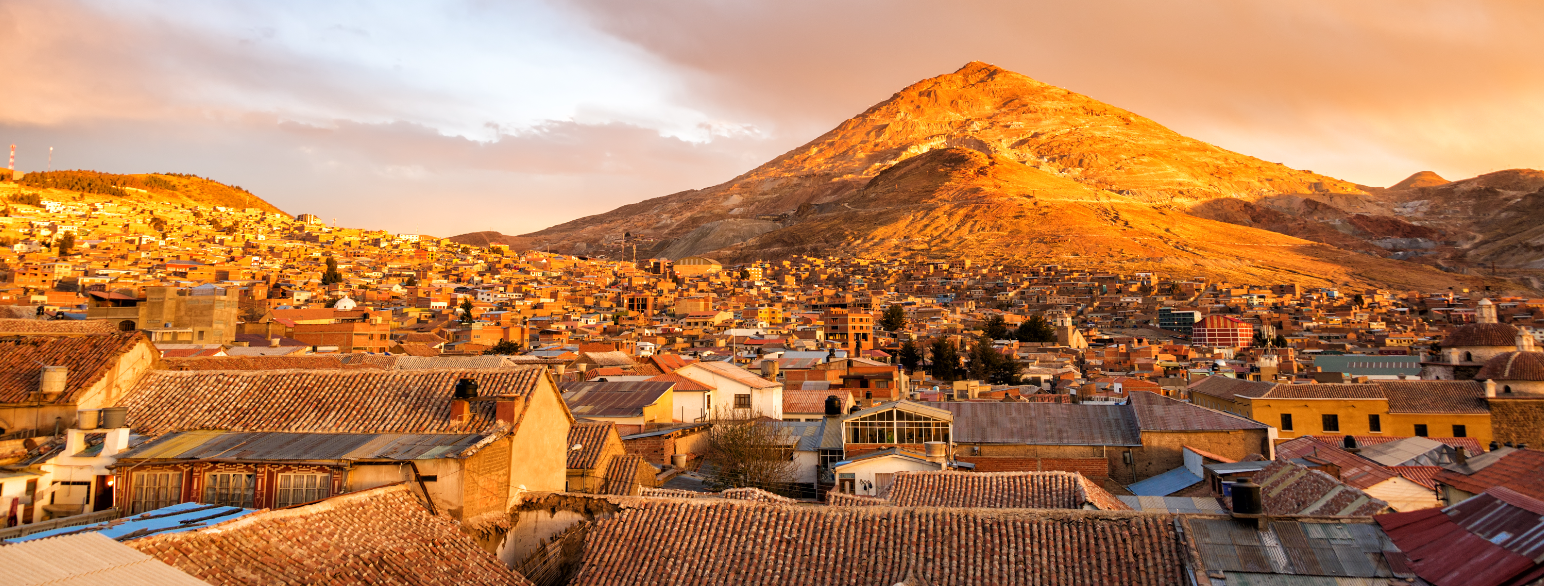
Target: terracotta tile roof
point(591, 439)
point(1290, 489)
point(1156, 412)
point(807, 401)
point(1435, 396)
point(381, 536)
point(1224, 387)
point(420, 338)
point(1423, 475)
point(1519, 470)
point(621, 474)
point(842, 499)
point(688, 542)
point(668, 363)
point(1000, 490)
point(339, 401)
point(57, 327)
point(412, 349)
point(1510, 366)
point(310, 362)
point(1354, 470)
point(1331, 391)
point(1480, 335)
point(669, 493)
point(684, 384)
point(86, 358)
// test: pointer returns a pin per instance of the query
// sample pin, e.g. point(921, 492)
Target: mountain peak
point(1421, 179)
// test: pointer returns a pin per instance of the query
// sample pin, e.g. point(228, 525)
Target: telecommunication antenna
point(12, 165)
point(50, 158)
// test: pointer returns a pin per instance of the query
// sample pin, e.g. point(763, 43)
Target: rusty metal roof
point(1348, 549)
point(613, 399)
point(218, 445)
point(1055, 424)
point(1492, 539)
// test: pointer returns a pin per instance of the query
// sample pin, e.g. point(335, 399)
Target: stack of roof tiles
point(377, 536)
point(85, 358)
point(697, 541)
point(669, 493)
point(754, 494)
point(336, 401)
point(842, 499)
point(1289, 489)
point(1001, 490)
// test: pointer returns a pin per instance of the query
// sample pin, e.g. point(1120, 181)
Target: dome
point(345, 304)
point(1481, 335)
point(1524, 366)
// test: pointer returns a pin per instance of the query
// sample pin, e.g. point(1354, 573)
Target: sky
point(450, 117)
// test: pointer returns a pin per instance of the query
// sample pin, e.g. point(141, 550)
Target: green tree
point(1358, 301)
point(1280, 341)
point(988, 364)
point(66, 244)
point(946, 360)
point(466, 310)
point(893, 318)
point(1037, 330)
point(909, 356)
point(412, 281)
point(995, 328)
point(331, 276)
point(504, 347)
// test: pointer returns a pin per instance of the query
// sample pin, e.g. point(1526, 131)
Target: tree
point(504, 347)
point(66, 244)
point(745, 450)
point(1358, 301)
point(946, 360)
point(1259, 340)
point(987, 364)
point(910, 356)
point(412, 281)
point(1037, 330)
point(466, 310)
point(331, 276)
point(1280, 341)
point(995, 328)
point(893, 318)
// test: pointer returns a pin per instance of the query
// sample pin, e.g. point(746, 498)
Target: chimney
point(1490, 389)
point(937, 452)
point(52, 383)
point(769, 369)
point(460, 410)
point(507, 409)
point(1460, 456)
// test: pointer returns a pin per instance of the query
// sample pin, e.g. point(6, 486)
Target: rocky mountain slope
point(987, 163)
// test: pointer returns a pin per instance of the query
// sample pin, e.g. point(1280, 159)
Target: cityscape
point(988, 330)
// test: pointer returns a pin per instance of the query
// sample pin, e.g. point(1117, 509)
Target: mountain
point(1420, 179)
point(176, 188)
point(989, 164)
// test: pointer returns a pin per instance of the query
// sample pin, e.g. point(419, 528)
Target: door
point(104, 494)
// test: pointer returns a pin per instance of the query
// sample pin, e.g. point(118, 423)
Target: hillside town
point(230, 395)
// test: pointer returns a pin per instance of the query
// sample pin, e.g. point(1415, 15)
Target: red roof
point(1490, 539)
point(1469, 444)
point(1354, 470)
point(1519, 470)
point(1423, 475)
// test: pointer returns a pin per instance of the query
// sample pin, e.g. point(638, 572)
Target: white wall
point(866, 469)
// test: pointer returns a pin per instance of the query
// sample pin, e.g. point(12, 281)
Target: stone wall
point(1518, 420)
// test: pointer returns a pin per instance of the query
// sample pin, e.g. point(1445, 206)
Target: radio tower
point(12, 165)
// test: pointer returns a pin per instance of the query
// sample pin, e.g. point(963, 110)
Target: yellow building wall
point(1307, 419)
point(661, 410)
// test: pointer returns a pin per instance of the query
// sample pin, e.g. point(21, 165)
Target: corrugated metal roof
point(1410, 451)
point(1174, 504)
point(1165, 484)
point(86, 559)
point(1043, 424)
point(614, 399)
point(1453, 545)
point(172, 519)
point(199, 445)
point(807, 433)
point(1351, 550)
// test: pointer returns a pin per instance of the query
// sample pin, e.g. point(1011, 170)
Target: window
point(295, 489)
point(742, 401)
point(153, 490)
point(1374, 424)
point(1420, 429)
point(229, 489)
point(1331, 422)
point(1460, 431)
point(894, 426)
point(1286, 422)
